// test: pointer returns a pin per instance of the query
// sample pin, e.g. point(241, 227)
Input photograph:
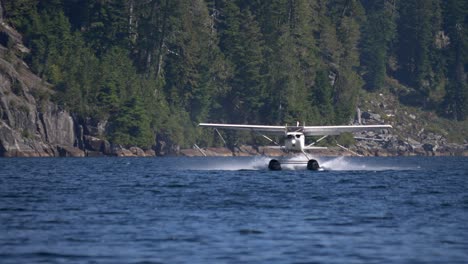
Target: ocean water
point(233, 210)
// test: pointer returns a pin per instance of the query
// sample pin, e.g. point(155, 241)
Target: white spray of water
point(347, 164)
point(232, 164)
point(327, 163)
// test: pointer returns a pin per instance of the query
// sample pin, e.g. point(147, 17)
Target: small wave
point(13, 209)
point(378, 187)
point(190, 239)
point(175, 185)
point(148, 262)
point(345, 223)
point(232, 202)
point(374, 218)
point(46, 254)
point(55, 221)
point(110, 212)
point(313, 218)
point(452, 242)
point(250, 232)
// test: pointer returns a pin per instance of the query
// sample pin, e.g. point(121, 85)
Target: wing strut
point(347, 149)
point(199, 149)
point(269, 139)
point(317, 141)
point(224, 141)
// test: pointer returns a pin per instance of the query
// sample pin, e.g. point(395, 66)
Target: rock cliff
point(30, 124)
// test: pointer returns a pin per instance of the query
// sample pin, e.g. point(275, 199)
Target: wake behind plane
point(295, 138)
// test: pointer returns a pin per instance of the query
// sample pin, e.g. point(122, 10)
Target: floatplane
point(295, 138)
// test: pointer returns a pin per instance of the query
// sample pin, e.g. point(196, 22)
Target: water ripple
point(233, 210)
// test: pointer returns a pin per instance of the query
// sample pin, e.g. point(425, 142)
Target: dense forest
point(155, 68)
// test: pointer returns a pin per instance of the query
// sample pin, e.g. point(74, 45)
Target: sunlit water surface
point(232, 210)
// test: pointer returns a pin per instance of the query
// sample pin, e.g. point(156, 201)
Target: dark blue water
point(232, 210)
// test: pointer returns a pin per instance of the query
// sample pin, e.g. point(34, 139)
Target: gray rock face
point(371, 116)
point(14, 144)
point(30, 125)
point(136, 151)
point(58, 126)
point(67, 151)
point(95, 128)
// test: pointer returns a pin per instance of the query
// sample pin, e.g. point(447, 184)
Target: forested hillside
point(155, 68)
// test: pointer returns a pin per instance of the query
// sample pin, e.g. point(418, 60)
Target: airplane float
point(294, 138)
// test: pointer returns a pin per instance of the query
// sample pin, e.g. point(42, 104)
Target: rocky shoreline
point(119, 151)
point(332, 152)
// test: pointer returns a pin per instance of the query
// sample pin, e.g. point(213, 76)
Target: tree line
point(155, 68)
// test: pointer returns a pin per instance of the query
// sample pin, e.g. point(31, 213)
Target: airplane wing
point(307, 130)
point(274, 130)
point(336, 130)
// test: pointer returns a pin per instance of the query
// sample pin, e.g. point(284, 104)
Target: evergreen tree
point(118, 80)
point(187, 60)
point(323, 97)
point(456, 100)
point(131, 125)
point(76, 89)
point(20, 13)
point(241, 41)
point(378, 33)
point(107, 25)
point(416, 29)
point(348, 18)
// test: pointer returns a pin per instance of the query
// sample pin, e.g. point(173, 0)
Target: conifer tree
point(456, 100)
point(378, 33)
point(242, 43)
point(416, 29)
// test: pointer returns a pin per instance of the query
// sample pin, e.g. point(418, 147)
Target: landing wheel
point(312, 165)
point(274, 165)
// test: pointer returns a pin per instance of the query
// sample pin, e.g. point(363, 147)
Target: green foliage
point(241, 42)
point(456, 100)
point(118, 80)
point(77, 78)
point(20, 12)
point(26, 134)
point(159, 67)
point(345, 139)
point(418, 24)
point(131, 125)
point(323, 97)
point(378, 33)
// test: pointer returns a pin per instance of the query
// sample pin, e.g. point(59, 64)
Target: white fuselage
point(295, 141)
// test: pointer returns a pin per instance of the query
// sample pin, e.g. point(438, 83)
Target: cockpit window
point(290, 136)
point(298, 136)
